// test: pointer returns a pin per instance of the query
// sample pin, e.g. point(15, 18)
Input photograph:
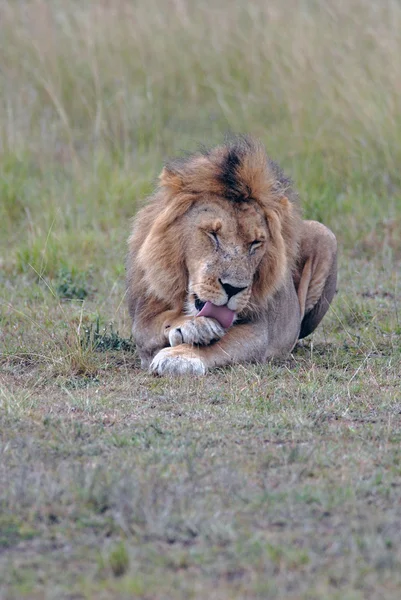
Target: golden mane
point(238, 171)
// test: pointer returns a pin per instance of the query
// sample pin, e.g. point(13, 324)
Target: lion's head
point(221, 231)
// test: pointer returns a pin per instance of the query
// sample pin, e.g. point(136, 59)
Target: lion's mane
point(239, 171)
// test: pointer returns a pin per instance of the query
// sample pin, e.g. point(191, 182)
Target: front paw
point(177, 361)
point(199, 330)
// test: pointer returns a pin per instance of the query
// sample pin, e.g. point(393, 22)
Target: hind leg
point(316, 278)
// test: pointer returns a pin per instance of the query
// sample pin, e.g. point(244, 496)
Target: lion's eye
point(253, 246)
point(215, 237)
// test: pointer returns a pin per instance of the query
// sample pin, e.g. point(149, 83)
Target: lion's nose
point(231, 290)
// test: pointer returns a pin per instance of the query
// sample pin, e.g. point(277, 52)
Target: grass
point(270, 481)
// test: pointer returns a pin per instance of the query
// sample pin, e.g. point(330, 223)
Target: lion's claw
point(199, 330)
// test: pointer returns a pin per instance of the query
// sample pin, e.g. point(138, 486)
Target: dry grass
point(275, 481)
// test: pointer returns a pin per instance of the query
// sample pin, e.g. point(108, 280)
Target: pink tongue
point(222, 314)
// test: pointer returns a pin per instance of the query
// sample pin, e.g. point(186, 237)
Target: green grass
point(270, 481)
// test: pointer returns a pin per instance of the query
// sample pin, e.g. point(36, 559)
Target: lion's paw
point(200, 330)
point(170, 362)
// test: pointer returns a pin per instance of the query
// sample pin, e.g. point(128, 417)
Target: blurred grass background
point(95, 95)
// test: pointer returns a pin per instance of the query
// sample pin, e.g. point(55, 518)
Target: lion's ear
point(171, 180)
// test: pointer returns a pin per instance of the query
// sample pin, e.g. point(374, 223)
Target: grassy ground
point(274, 481)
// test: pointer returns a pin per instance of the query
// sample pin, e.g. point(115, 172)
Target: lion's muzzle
point(231, 290)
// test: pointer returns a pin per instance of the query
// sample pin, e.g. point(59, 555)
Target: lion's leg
point(150, 327)
point(274, 335)
point(154, 328)
point(316, 280)
point(241, 343)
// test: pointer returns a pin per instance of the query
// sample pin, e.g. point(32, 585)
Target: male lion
point(221, 267)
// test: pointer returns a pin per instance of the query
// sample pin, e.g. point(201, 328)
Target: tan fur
point(195, 234)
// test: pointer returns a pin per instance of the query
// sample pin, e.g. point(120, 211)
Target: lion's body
point(223, 232)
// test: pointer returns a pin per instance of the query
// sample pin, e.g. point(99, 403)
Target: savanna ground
point(273, 481)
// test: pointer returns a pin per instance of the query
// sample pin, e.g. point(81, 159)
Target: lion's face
point(223, 246)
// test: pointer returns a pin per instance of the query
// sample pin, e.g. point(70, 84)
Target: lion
point(221, 268)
